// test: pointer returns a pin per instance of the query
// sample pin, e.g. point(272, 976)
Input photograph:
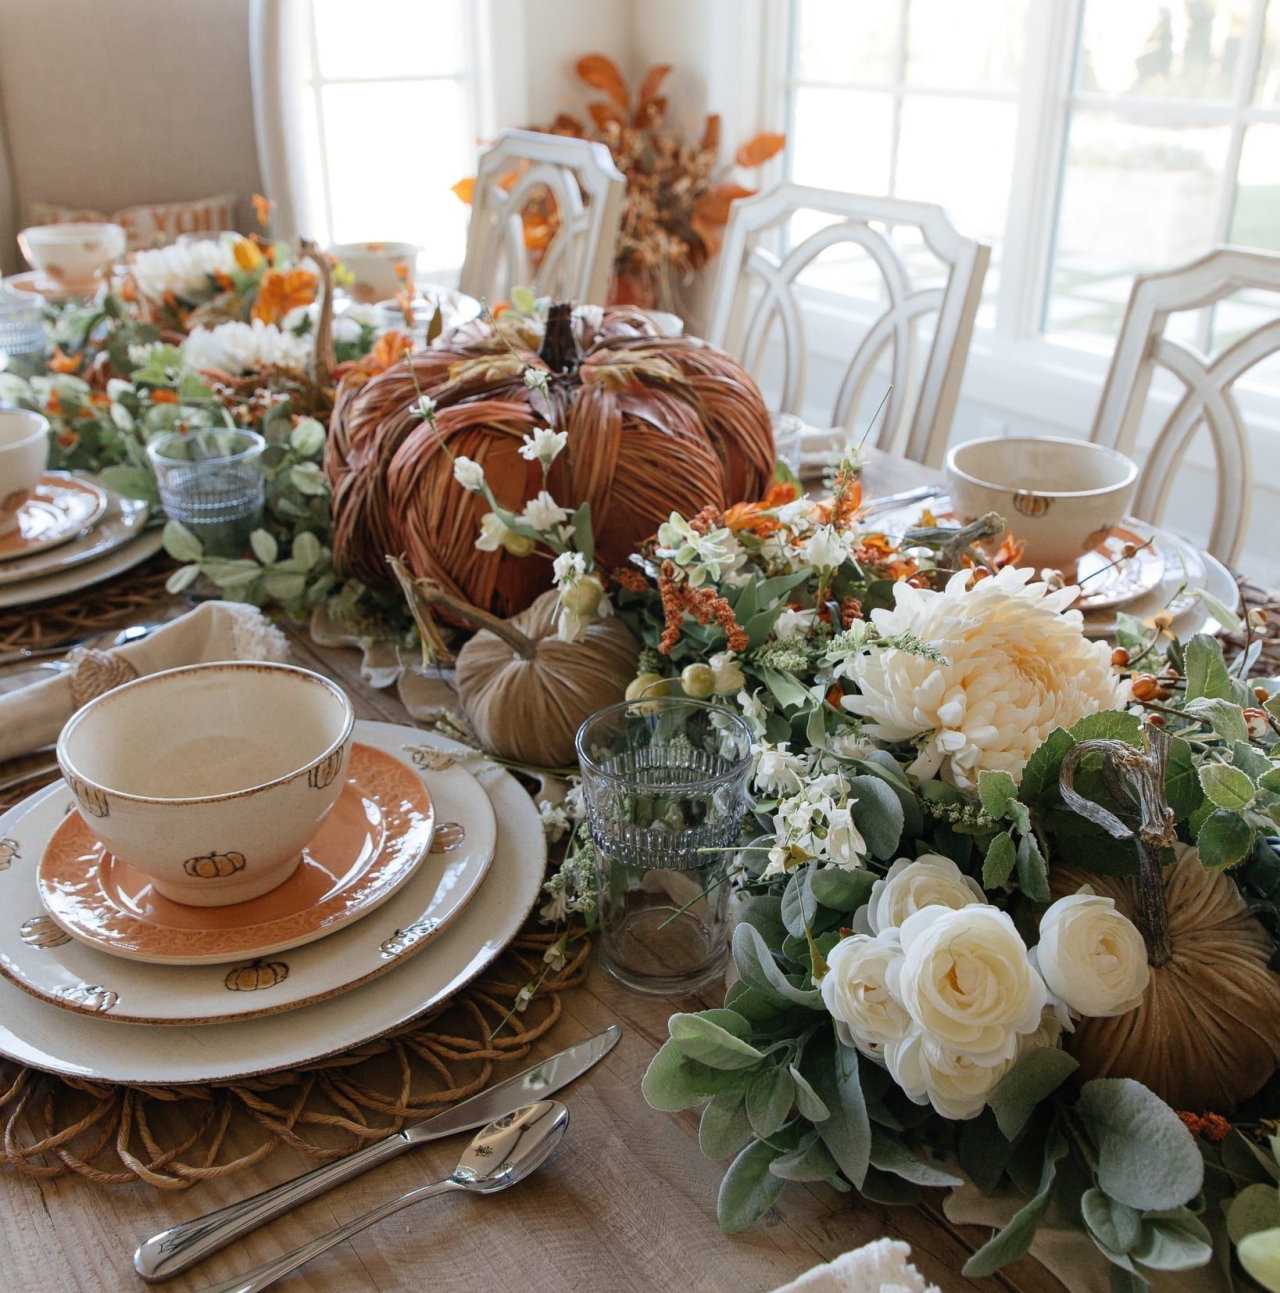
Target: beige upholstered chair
point(111, 105)
point(1207, 398)
point(578, 263)
point(755, 295)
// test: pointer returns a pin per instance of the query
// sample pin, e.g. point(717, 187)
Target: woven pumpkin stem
point(324, 361)
point(1135, 780)
point(559, 348)
point(425, 594)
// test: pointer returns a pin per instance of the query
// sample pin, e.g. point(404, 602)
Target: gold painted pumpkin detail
point(8, 852)
point(214, 866)
point(1031, 504)
point(43, 931)
point(255, 976)
point(326, 770)
point(448, 836)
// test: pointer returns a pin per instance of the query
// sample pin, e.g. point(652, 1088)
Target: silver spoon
point(501, 1154)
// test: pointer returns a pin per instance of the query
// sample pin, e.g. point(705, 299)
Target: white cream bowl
point(1059, 497)
point(71, 254)
point(24, 451)
point(373, 266)
point(210, 778)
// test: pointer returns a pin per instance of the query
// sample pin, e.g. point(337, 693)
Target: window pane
point(1266, 89)
point(846, 40)
point(1238, 315)
point(388, 38)
point(381, 188)
point(980, 43)
point(1135, 197)
point(1254, 221)
point(1182, 49)
point(937, 160)
point(843, 140)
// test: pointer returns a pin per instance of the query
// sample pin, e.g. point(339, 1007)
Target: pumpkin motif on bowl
point(8, 852)
point(90, 996)
point(43, 931)
point(214, 866)
point(203, 777)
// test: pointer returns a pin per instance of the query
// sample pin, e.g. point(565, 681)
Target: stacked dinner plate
point(1135, 568)
point(426, 867)
point(72, 533)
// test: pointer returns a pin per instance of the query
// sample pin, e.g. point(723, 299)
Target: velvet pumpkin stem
point(324, 361)
point(559, 349)
point(424, 595)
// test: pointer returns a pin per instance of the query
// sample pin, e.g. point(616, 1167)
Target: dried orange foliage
point(282, 290)
point(678, 194)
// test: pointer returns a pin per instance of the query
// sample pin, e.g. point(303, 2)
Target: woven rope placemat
point(93, 609)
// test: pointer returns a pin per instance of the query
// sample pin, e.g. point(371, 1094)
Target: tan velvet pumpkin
point(526, 700)
point(1207, 1034)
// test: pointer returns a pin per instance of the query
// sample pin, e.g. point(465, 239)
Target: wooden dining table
point(628, 1202)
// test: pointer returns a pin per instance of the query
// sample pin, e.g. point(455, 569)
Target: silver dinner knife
point(180, 1247)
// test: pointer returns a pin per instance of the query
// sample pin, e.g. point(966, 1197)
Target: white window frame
point(1015, 369)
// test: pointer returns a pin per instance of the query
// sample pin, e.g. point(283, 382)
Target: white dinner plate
point(123, 558)
point(123, 521)
point(36, 1033)
point(1184, 564)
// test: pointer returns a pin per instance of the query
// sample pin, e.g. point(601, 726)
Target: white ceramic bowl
point(24, 451)
point(71, 254)
point(1059, 497)
point(210, 778)
point(374, 266)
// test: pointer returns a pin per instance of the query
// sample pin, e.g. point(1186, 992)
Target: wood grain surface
point(627, 1202)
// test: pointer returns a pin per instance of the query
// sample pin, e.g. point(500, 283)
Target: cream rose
point(965, 979)
point(856, 992)
point(955, 1082)
point(931, 880)
point(1092, 956)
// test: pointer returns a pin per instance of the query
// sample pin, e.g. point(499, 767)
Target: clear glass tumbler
point(665, 785)
point(788, 439)
point(212, 482)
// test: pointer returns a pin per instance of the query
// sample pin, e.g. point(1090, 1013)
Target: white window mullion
point(899, 86)
point(1039, 155)
point(317, 88)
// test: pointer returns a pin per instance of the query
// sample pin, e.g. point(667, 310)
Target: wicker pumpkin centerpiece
point(655, 425)
point(1206, 1035)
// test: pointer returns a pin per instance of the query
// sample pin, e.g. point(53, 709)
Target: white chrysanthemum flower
point(183, 269)
point(1015, 665)
point(237, 348)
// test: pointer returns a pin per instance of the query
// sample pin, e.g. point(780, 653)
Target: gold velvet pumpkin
point(526, 700)
point(1207, 1034)
point(654, 424)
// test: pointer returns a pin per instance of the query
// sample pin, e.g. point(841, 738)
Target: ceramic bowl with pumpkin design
point(1059, 497)
point(72, 253)
point(210, 778)
point(24, 450)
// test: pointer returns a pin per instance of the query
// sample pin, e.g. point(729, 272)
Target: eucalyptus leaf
point(264, 546)
point(1256, 1207)
point(841, 890)
point(306, 549)
point(808, 1101)
point(698, 1038)
point(180, 543)
point(890, 1154)
point(1224, 717)
point(995, 789)
point(673, 1082)
point(799, 906)
point(810, 1161)
point(1146, 1156)
point(878, 815)
point(756, 965)
point(847, 1133)
point(749, 1188)
point(1040, 776)
point(1035, 1077)
point(1002, 857)
point(724, 1128)
point(769, 1099)
point(1173, 1242)
point(181, 579)
point(1114, 1225)
point(1033, 871)
point(1206, 670)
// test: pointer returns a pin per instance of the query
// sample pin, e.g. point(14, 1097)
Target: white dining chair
point(757, 289)
point(1207, 380)
point(588, 190)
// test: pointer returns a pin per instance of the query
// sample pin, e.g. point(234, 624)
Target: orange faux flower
point(755, 516)
point(282, 290)
point(262, 208)
point(61, 363)
point(389, 349)
point(54, 404)
point(247, 255)
point(163, 395)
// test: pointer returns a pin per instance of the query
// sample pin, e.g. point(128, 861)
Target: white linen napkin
point(883, 1266)
point(32, 717)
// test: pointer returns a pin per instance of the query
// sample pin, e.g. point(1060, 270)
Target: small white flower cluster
point(544, 446)
point(814, 818)
point(938, 985)
point(236, 348)
point(716, 556)
point(184, 268)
